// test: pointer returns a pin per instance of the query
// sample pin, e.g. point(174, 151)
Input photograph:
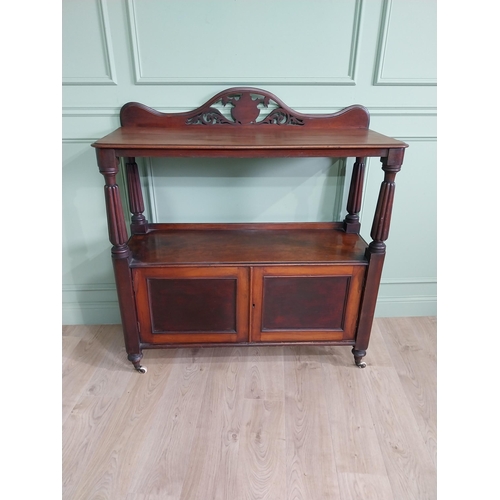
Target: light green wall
point(317, 56)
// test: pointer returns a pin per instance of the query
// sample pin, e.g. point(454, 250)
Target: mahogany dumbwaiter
point(250, 283)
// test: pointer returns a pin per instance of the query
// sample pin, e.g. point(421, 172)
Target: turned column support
point(375, 253)
point(109, 168)
point(351, 221)
point(139, 223)
point(391, 165)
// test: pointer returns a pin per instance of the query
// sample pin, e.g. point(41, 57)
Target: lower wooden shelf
point(229, 244)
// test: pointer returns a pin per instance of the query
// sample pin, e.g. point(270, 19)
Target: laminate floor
point(245, 423)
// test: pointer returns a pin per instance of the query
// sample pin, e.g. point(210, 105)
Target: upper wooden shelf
point(245, 122)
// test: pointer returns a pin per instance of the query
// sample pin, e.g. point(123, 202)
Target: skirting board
point(91, 313)
point(106, 313)
point(399, 307)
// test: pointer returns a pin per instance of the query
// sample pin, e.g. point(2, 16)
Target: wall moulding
point(108, 55)
point(90, 313)
point(89, 111)
point(106, 111)
point(108, 289)
point(381, 56)
point(141, 78)
point(406, 306)
point(408, 281)
point(101, 313)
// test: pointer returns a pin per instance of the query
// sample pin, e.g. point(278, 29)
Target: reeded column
point(391, 165)
point(117, 230)
point(351, 221)
point(109, 167)
point(375, 253)
point(139, 224)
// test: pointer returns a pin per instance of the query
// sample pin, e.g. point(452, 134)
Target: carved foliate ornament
point(245, 110)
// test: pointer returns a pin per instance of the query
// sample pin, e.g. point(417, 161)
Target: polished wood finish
point(194, 245)
point(259, 422)
point(138, 224)
point(247, 143)
point(192, 305)
point(151, 133)
point(351, 222)
point(382, 220)
point(305, 303)
point(181, 284)
point(120, 253)
point(246, 104)
point(109, 168)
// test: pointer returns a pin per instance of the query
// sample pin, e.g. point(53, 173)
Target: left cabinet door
point(183, 305)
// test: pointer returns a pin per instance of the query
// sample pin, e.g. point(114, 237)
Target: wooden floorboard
point(414, 357)
point(270, 423)
point(311, 465)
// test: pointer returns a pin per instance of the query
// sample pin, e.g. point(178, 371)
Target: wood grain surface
point(241, 246)
point(202, 138)
point(241, 423)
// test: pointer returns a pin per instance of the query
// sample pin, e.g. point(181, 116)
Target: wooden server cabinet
point(256, 283)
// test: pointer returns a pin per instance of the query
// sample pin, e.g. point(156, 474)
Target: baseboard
point(107, 313)
point(397, 307)
point(91, 313)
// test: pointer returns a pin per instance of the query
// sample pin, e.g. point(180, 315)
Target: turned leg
point(139, 223)
point(351, 221)
point(375, 253)
point(120, 254)
point(123, 280)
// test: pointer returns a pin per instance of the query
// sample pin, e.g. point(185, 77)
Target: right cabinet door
point(305, 303)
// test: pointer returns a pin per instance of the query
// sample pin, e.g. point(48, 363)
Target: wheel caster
point(135, 359)
point(358, 356)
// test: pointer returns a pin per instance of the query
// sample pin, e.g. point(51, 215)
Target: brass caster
point(141, 369)
point(358, 356)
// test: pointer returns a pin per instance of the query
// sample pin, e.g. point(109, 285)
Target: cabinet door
point(192, 305)
point(305, 303)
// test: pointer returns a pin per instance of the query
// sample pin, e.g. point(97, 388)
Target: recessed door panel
point(191, 305)
point(305, 303)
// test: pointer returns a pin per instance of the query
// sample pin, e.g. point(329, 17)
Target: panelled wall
point(318, 56)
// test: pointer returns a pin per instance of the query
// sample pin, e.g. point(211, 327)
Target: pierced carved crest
point(245, 109)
